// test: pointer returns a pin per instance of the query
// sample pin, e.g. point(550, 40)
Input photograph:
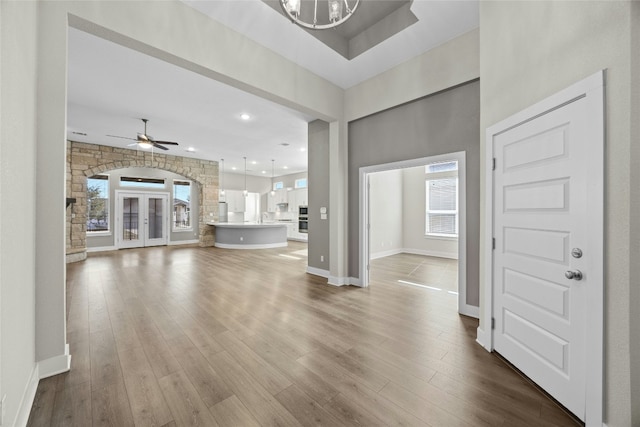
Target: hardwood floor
point(188, 336)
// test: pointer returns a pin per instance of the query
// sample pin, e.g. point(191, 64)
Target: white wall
point(529, 51)
point(385, 213)
point(415, 241)
point(18, 44)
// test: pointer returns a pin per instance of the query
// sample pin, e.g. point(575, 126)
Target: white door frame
point(364, 250)
point(592, 90)
point(167, 214)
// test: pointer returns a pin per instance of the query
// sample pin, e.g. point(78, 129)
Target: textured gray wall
point(318, 194)
point(446, 122)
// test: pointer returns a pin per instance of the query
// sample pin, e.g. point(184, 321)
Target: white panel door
point(143, 219)
point(541, 202)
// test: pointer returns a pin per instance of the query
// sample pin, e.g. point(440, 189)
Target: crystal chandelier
point(338, 12)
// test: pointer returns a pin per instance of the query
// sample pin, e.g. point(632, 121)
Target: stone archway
point(85, 160)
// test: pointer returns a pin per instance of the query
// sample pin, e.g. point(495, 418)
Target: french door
point(143, 219)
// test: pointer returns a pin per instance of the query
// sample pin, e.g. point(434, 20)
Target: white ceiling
point(112, 87)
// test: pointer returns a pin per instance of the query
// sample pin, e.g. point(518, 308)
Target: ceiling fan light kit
point(143, 140)
point(335, 10)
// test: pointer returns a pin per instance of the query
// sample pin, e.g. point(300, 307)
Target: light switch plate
point(323, 210)
point(323, 216)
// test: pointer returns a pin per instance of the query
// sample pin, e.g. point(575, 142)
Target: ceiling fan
point(146, 141)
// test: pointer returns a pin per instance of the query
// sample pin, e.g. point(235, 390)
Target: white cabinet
point(235, 200)
point(281, 196)
point(297, 198)
point(271, 202)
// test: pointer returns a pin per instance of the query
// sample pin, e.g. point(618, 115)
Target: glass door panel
point(156, 221)
point(130, 218)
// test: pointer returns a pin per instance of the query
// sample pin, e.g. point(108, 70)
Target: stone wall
point(85, 160)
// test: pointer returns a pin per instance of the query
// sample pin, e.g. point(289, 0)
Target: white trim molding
point(28, 397)
point(318, 272)
point(591, 91)
point(255, 246)
point(183, 242)
point(338, 281)
point(55, 365)
point(437, 254)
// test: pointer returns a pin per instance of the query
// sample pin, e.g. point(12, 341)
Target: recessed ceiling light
point(303, 149)
point(264, 171)
point(245, 116)
point(254, 163)
point(286, 167)
point(190, 149)
point(233, 168)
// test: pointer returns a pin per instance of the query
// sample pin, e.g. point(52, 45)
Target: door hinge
point(493, 165)
point(493, 323)
point(493, 243)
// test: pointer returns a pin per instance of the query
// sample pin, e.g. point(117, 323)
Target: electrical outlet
point(321, 258)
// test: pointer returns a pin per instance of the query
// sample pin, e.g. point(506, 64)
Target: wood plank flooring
point(188, 336)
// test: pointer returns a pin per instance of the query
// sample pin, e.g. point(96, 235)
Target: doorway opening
point(431, 202)
point(142, 219)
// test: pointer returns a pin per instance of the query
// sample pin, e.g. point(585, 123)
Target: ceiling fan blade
point(159, 146)
point(122, 137)
point(166, 142)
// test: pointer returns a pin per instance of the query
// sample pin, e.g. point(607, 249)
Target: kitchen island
point(249, 235)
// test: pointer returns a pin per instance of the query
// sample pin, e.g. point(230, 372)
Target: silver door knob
point(576, 275)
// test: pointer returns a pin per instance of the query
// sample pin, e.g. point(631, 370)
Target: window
point(301, 183)
point(127, 181)
point(278, 185)
point(442, 199)
point(98, 204)
point(181, 205)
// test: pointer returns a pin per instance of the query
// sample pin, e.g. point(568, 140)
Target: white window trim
point(109, 231)
point(173, 194)
point(434, 176)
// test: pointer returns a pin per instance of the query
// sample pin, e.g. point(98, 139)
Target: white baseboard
point(355, 281)
point(318, 272)
point(383, 254)
point(55, 365)
point(439, 254)
point(337, 281)
point(483, 339)
point(470, 310)
point(184, 242)
point(29, 395)
point(102, 249)
point(256, 246)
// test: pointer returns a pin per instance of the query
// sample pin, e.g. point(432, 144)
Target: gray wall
point(531, 50)
point(318, 194)
point(445, 122)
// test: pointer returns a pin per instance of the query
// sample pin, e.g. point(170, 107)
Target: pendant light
point(245, 193)
point(222, 186)
point(273, 192)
